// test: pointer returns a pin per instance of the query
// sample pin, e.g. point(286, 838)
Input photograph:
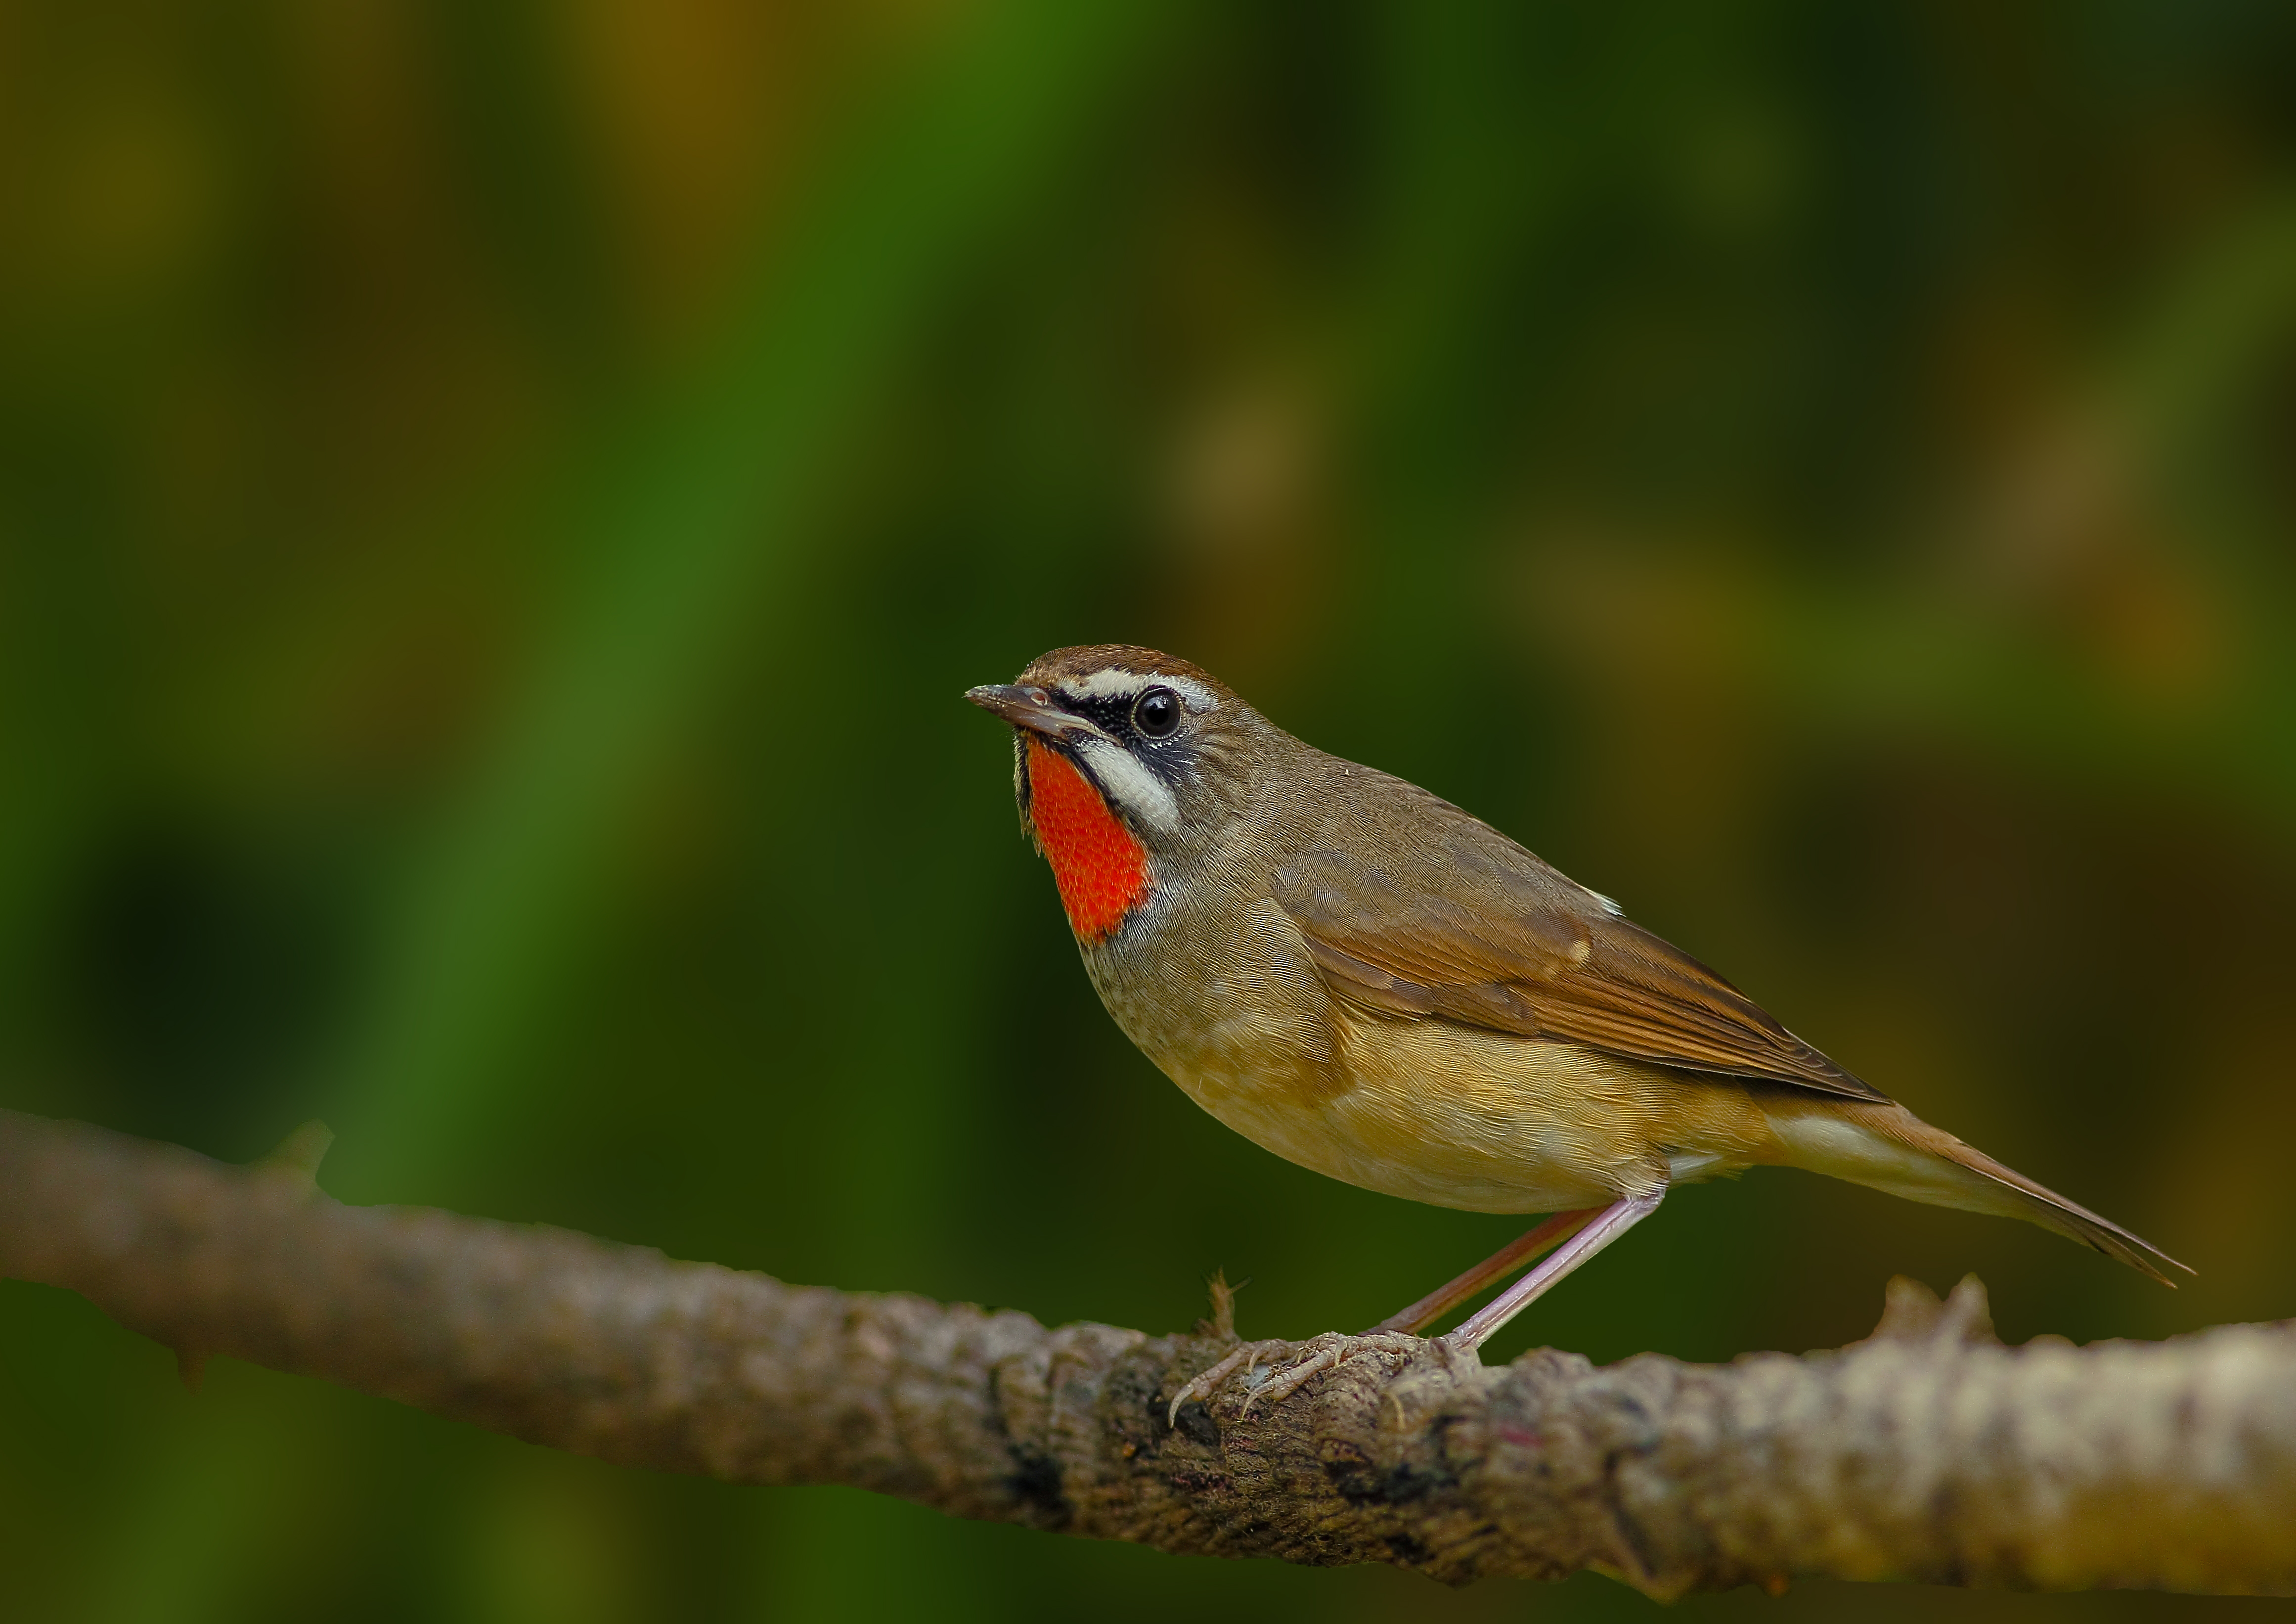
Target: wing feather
point(1506, 943)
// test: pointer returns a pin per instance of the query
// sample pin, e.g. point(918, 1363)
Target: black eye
point(1157, 713)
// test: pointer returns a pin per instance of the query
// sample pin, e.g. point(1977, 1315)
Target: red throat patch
point(1102, 870)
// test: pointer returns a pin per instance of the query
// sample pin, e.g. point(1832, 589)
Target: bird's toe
point(1274, 1370)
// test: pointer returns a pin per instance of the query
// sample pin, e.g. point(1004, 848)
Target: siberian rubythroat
point(1368, 981)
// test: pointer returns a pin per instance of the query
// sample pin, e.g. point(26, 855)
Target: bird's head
point(1130, 767)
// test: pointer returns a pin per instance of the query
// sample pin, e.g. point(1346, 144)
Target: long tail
point(1887, 1147)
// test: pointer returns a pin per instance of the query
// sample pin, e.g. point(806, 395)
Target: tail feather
point(2069, 1218)
point(1889, 1148)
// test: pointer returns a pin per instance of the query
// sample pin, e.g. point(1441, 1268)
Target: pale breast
point(1245, 1019)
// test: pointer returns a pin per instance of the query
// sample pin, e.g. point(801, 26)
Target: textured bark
point(1928, 1452)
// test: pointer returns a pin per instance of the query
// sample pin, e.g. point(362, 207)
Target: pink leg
point(1498, 1265)
point(1613, 1221)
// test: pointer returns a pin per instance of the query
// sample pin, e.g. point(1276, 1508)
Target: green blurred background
point(498, 502)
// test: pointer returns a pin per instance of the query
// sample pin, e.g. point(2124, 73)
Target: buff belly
point(1457, 1117)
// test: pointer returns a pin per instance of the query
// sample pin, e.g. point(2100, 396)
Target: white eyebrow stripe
point(1125, 781)
point(1116, 682)
point(1199, 697)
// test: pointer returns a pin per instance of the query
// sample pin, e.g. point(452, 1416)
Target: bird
point(1371, 983)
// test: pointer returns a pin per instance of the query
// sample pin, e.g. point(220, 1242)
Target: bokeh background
point(498, 502)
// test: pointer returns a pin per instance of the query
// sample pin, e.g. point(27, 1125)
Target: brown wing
point(1509, 944)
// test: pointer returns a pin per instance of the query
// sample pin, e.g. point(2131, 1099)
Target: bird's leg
point(1587, 1232)
point(1606, 1226)
point(1498, 1265)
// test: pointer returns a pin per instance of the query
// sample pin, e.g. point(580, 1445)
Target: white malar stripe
point(1125, 781)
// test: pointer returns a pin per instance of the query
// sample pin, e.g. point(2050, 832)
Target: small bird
point(1368, 981)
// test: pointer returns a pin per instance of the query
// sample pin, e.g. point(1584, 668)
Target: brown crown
point(1087, 658)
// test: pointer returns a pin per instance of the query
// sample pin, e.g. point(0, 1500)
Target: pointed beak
point(1029, 708)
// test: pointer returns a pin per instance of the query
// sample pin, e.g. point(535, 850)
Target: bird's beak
point(1029, 708)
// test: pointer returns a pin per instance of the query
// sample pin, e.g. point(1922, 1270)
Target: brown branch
point(1928, 1452)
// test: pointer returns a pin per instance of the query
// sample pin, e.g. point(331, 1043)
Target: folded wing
point(1506, 943)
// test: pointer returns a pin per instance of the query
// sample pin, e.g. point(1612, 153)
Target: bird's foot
point(1289, 1366)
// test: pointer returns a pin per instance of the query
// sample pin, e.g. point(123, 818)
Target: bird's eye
point(1157, 713)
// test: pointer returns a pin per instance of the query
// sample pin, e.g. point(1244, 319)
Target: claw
point(1207, 1382)
point(1279, 1388)
point(1326, 1352)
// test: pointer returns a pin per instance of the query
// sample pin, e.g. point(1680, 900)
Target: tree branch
point(1928, 1452)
